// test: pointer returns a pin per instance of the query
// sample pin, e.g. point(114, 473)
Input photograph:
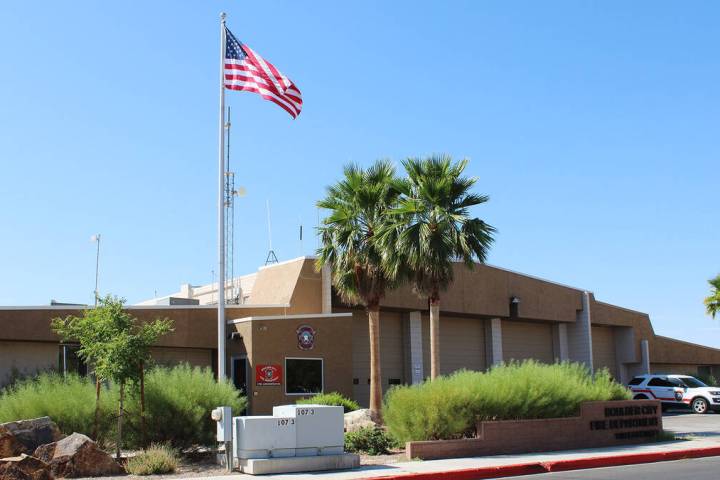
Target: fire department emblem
point(268, 374)
point(306, 337)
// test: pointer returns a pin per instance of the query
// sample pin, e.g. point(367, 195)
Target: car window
point(659, 382)
point(636, 381)
point(692, 382)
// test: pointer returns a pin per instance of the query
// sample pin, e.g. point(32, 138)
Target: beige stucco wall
point(603, 344)
point(679, 369)
point(527, 340)
point(196, 357)
point(26, 358)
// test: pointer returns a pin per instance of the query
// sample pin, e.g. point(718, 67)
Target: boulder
point(77, 456)
point(358, 419)
point(24, 467)
point(24, 436)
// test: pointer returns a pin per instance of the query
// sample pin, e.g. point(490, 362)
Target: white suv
point(676, 390)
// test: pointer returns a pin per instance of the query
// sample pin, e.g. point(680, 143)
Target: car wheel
point(700, 405)
point(640, 397)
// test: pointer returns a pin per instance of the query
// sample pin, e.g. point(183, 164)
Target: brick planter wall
point(600, 424)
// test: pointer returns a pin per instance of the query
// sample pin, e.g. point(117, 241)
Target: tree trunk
point(96, 424)
point(121, 412)
point(143, 428)
point(375, 377)
point(434, 339)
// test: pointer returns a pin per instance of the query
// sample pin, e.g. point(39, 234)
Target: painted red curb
point(630, 459)
point(556, 466)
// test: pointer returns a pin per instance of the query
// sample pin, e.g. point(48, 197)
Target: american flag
point(248, 71)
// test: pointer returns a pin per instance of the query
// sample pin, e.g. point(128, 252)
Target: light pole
point(96, 238)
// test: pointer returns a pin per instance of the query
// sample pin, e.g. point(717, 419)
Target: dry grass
point(157, 459)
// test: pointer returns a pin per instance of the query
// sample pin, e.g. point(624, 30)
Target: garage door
point(603, 344)
point(391, 353)
point(527, 340)
point(462, 344)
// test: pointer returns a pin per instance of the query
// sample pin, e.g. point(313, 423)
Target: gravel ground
point(206, 467)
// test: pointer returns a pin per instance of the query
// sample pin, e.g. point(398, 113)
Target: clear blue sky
point(593, 126)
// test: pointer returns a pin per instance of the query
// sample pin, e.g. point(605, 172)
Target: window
point(303, 376)
point(70, 362)
point(692, 382)
point(636, 381)
point(660, 382)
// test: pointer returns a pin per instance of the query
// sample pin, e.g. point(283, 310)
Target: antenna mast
point(271, 257)
point(230, 193)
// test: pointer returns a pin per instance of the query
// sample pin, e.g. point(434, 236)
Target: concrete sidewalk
point(501, 465)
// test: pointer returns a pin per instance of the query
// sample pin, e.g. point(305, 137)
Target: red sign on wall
point(268, 374)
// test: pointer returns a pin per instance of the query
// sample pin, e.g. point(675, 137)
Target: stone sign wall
point(600, 424)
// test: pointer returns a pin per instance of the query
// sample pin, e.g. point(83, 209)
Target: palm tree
point(431, 228)
point(712, 301)
point(358, 207)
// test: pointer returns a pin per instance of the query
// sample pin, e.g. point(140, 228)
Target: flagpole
point(221, 209)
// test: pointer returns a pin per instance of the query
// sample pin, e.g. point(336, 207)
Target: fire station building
point(289, 335)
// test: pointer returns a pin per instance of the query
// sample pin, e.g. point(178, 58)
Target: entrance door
point(238, 373)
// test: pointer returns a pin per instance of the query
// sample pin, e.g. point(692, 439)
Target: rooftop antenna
point(96, 238)
point(302, 250)
point(271, 257)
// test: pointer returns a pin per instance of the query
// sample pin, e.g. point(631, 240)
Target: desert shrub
point(449, 406)
point(157, 459)
point(370, 440)
point(178, 402)
point(68, 400)
point(333, 399)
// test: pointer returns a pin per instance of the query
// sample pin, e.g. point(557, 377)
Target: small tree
point(712, 301)
point(116, 343)
point(89, 331)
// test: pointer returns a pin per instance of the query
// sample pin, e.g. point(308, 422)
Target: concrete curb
point(557, 465)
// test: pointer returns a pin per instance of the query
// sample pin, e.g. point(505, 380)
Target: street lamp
point(96, 238)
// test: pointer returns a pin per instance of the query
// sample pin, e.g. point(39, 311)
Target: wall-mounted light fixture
point(514, 304)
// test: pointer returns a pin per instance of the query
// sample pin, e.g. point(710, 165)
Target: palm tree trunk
point(434, 339)
point(375, 377)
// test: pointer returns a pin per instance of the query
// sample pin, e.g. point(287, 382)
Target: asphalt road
point(697, 469)
point(694, 425)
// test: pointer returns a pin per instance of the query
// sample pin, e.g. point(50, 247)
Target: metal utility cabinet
point(319, 428)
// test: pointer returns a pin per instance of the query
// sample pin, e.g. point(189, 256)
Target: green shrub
point(333, 399)
point(178, 402)
point(69, 401)
point(157, 459)
point(370, 440)
point(449, 406)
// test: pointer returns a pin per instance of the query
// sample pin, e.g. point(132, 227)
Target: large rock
point(77, 456)
point(24, 436)
point(24, 467)
point(358, 419)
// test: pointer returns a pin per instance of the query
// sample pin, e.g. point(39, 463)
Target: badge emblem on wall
point(268, 374)
point(306, 337)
